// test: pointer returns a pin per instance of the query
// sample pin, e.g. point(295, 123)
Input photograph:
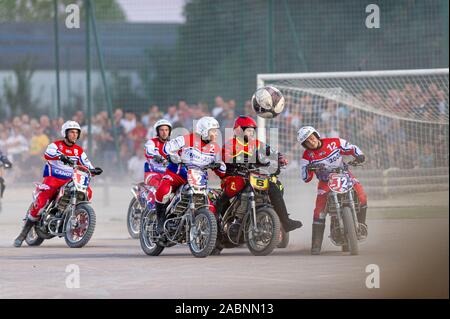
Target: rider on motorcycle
point(5, 162)
point(57, 172)
point(154, 168)
point(200, 149)
point(326, 153)
point(242, 149)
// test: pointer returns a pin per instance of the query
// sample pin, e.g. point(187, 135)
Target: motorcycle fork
point(338, 212)
point(190, 216)
point(352, 206)
point(252, 206)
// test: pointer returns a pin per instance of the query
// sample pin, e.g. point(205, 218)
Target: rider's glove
point(5, 161)
point(65, 159)
point(174, 158)
point(96, 171)
point(360, 159)
point(158, 159)
point(282, 160)
point(314, 166)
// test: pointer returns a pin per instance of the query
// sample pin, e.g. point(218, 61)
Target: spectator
point(218, 107)
point(172, 114)
point(135, 165)
point(426, 157)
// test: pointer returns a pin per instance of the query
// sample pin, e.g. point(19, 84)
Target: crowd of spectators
point(388, 141)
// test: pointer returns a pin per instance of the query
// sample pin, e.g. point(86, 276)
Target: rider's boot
point(160, 216)
point(290, 224)
point(276, 198)
point(2, 186)
point(23, 234)
point(317, 237)
point(222, 204)
point(362, 215)
point(362, 220)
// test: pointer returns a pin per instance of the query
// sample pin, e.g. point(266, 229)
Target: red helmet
point(245, 121)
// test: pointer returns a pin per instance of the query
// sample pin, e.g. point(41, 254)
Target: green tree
point(42, 10)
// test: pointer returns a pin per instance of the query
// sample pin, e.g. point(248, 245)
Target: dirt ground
point(412, 255)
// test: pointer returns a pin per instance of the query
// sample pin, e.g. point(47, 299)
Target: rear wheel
point(203, 233)
point(134, 218)
point(267, 236)
point(148, 233)
point(284, 239)
point(350, 231)
point(33, 238)
point(80, 229)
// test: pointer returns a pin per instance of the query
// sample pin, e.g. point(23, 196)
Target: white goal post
point(399, 118)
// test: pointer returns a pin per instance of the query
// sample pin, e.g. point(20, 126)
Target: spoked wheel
point(33, 238)
point(80, 228)
point(203, 233)
point(148, 234)
point(134, 218)
point(266, 237)
point(350, 231)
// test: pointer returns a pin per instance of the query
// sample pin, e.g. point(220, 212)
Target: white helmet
point(70, 125)
point(204, 125)
point(162, 122)
point(305, 132)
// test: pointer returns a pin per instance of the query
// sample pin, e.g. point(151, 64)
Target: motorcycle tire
point(33, 238)
point(350, 231)
point(274, 238)
point(90, 229)
point(132, 229)
point(211, 222)
point(284, 242)
point(150, 248)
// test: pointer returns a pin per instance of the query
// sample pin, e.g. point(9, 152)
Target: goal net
point(399, 119)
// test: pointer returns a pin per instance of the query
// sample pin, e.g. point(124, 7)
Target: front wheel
point(350, 231)
point(203, 233)
point(134, 218)
point(148, 234)
point(266, 237)
point(80, 228)
point(33, 238)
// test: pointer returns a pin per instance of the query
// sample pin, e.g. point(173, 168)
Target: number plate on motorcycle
point(197, 178)
point(259, 182)
point(81, 179)
point(340, 183)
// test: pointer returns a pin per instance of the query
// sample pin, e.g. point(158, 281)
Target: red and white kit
point(193, 150)
point(56, 174)
point(153, 171)
point(330, 155)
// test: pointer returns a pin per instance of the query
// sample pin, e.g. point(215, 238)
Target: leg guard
point(317, 237)
point(362, 214)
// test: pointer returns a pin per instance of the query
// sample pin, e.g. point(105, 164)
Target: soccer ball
point(268, 102)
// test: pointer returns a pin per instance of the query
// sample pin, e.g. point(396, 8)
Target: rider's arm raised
point(307, 175)
point(349, 149)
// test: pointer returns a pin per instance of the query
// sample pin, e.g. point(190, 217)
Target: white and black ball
point(268, 102)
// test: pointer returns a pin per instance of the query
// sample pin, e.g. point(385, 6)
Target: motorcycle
point(69, 215)
point(250, 218)
point(4, 164)
point(188, 218)
point(343, 207)
point(143, 200)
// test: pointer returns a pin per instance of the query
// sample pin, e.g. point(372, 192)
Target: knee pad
point(163, 192)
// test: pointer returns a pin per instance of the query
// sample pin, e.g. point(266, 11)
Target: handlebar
point(321, 166)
